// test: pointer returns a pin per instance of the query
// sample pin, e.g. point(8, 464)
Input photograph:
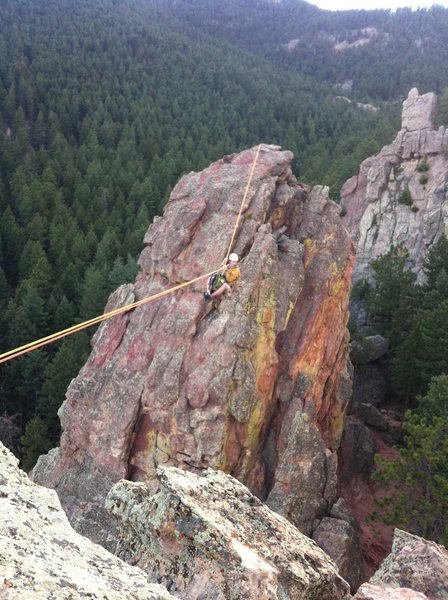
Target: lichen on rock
point(415, 563)
point(207, 537)
point(42, 557)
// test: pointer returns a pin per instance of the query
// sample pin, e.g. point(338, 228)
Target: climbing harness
point(6, 356)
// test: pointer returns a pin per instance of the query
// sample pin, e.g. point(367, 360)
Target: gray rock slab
point(42, 557)
point(358, 449)
point(372, 416)
point(370, 384)
point(415, 563)
point(368, 349)
point(206, 537)
point(372, 592)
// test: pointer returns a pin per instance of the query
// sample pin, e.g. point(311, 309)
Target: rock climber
point(220, 283)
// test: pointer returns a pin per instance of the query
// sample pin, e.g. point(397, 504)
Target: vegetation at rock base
point(391, 303)
point(423, 166)
point(35, 441)
point(417, 481)
point(415, 319)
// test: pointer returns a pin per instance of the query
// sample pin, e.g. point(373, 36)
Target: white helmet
point(233, 257)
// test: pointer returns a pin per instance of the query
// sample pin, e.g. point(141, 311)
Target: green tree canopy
point(418, 479)
point(392, 303)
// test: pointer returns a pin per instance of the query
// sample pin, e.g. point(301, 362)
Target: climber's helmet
point(233, 257)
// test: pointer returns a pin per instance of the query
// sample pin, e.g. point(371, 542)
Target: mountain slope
point(378, 53)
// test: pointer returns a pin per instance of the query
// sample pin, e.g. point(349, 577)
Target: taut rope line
point(243, 202)
point(6, 356)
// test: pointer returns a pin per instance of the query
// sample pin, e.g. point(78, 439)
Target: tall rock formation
point(256, 386)
point(379, 211)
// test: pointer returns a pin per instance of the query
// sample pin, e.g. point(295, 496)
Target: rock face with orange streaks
point(256, 385)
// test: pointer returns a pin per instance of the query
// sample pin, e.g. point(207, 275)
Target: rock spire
point(256, 387)
point(400, 196)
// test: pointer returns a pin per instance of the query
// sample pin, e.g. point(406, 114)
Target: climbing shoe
point(207, 296)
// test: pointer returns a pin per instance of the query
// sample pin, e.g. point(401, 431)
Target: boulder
point(369, 384)
point(340, 510)
point(372, 592)
point(368, 349)
point(340, 540)
point(372, 416)
point(192, 384)
point(42, 557)
point(415, 563)
point(357, 451)
point(207, 537)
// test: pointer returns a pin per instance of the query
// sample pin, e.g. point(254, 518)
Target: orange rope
point(61, 334)
point(249, 181)
point(6, 356)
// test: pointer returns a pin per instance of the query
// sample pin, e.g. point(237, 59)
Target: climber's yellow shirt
point(232, 275)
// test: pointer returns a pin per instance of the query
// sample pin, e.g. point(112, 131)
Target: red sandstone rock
point(178, 382)
point(373, 592)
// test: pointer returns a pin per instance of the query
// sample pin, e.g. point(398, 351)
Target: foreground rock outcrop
point(256, 387)
point(373, 592)
point(379, 211)
point(207, 537)
point(415, 563)
point(42, 557)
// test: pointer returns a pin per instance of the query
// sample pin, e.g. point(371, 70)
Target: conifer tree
point(35, 309)
point(418, 478)
point(94, 293)
point(391, 303)
point(13, 240)
point(35, 442)
point(31, 254)
point(60, 371)
point(436, 271)
point(39, 131)
point(4, 292)
point(123, 271)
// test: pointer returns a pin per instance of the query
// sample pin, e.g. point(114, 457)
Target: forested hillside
point(377, 54)
point(104, 104)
